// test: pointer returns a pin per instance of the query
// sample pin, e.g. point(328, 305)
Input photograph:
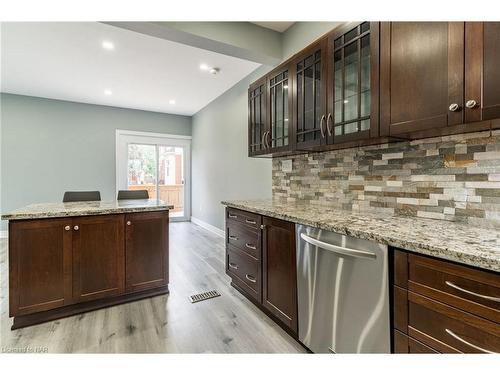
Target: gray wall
point(49, 146)
point(221, 168)
point(300, 34)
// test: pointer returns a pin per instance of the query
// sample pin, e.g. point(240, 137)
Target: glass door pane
point(278, 88)
point(141, 168)
point(171, 178)
point(309, 104)
point(351, 86)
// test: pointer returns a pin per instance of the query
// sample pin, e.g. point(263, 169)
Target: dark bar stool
point(81, 196)
point(132, 194)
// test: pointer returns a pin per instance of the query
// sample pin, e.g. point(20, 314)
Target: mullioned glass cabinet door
point(280, 111)
point(257, 127)
point(309, 97)
point(351, 92)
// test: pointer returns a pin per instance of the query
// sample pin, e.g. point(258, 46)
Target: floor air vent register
point(203, 296)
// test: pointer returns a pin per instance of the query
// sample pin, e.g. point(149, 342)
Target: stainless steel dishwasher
point(343, 293)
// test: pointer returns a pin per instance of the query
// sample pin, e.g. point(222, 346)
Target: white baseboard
point(209, 227)
point(4, 234)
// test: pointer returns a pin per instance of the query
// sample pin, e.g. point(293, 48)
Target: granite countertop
point(52, 210)
point(479, 247)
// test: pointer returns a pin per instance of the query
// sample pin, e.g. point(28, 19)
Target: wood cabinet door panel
point(491, 71)
point(245, 272)
point(39, 265)
point(421, 74)
point(279, 270)
point(146, 250)
point(98, 252)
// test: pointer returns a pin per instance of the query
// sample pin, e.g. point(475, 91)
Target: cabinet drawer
point(244, 239)
point(245, 272)
point(243, 217)
point(472, 290)
point(449, 330)
point(407, 345)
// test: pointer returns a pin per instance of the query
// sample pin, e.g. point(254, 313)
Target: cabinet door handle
point(250, 246)
point(67, 227)
point(489, 298)
point(458, 338)
point(233, 266)
point(250, 278)
point(471, 104)
point(233, 216)
point(329, 125)
point(129, 223)
point(234, 238)
point(268, 136)
point(321, 122)
point(250, 221)
point(76, 227)
point(454, 107)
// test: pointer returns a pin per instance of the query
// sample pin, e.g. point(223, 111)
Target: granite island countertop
point(475, 246)
point(53, 210)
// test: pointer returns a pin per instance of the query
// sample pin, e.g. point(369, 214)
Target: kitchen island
point(69, 258)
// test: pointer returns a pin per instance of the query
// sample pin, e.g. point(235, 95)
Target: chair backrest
point(81, 196)
point(132, 194)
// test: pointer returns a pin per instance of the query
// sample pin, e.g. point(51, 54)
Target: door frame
point(124, 137)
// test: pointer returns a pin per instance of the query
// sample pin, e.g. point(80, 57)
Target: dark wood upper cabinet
point(375, 82)
point(280, 132)
point(482, 74)
point(309, 69)
point(257, 118)
point(421, 76)
point(98, 257)
point(146, 250)
point(43, 248)
point(279, 271)
point(353, 73)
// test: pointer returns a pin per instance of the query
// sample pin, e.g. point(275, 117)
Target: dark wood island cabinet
point(68, 265)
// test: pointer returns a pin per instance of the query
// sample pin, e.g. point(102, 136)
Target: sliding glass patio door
point(156, 163)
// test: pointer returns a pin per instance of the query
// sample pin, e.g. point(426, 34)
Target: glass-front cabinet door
point(257, 112)
point(353, 83)
point(309, 96)
point(280, 117)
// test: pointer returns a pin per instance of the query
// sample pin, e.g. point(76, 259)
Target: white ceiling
point(66, 61)
point(276, 26)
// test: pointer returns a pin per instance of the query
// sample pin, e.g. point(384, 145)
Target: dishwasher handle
point(338, 249)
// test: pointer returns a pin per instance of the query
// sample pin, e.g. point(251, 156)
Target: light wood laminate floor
point(164, 324)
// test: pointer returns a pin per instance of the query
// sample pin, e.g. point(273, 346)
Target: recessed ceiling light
point(106, 44)
point(204, 67)
point(108, 92)
point(214, 71)
point(171, 101)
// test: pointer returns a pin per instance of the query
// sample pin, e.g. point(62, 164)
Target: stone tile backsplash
point(454, 178)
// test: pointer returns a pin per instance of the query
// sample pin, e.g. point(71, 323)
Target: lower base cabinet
point(279, 271)
point(60, 267)
point(443, 307)
point(260, 258)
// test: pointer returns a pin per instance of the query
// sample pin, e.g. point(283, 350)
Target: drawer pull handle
point(455, 336)
point(234, 238)
point(250, 278)
point(450, 284)
point(234, 266)
point(251, 246)
point(233, 216)
point(250, 221)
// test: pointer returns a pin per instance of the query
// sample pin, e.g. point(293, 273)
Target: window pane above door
point(141, 168)
point(171, 178)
